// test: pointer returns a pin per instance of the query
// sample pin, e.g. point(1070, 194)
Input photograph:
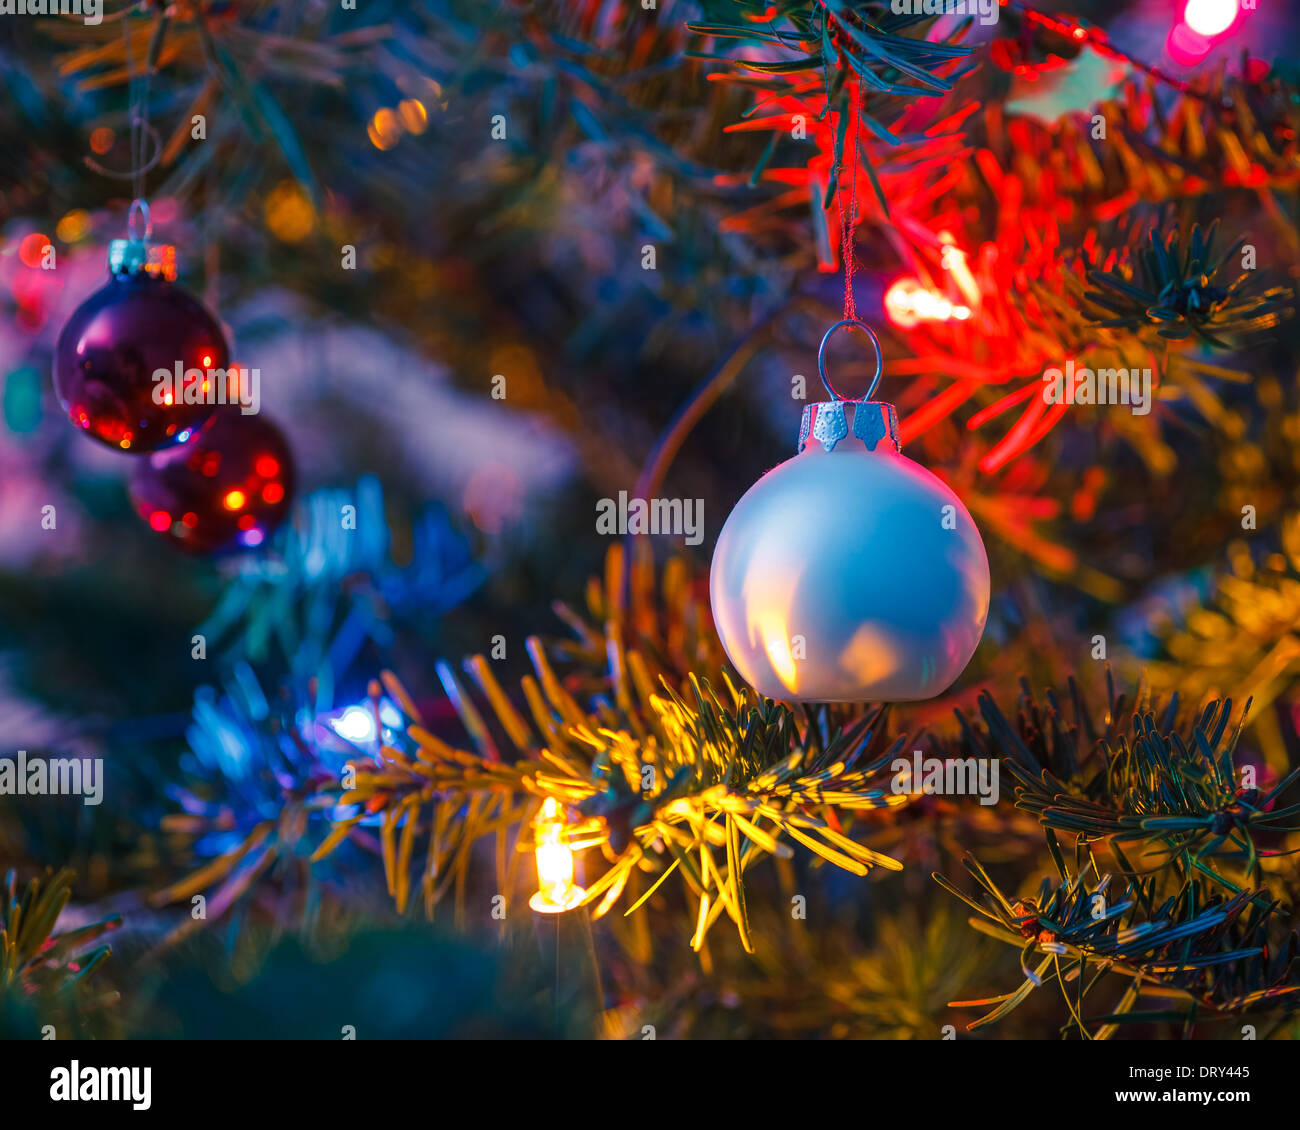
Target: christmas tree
point(381, 682)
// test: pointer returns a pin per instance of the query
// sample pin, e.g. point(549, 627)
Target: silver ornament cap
point(828, 422)
point(138, 254)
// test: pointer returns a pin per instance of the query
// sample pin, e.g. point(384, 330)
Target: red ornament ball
point(225, 490)
point(113, 345)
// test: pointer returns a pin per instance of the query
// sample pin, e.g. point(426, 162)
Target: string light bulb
point(908, 303)
point(1210, 17)
point(556, 890)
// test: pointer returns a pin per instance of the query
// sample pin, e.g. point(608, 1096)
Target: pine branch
point(1204, 956)
point(329, 581)
point(36, 960)
point(668, 778)
point(1182, 294)
point(1178, 798)
point(1240, 638)
point(660, 778)
point(1193, 919)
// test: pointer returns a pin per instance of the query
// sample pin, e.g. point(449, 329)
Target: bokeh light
point(289, 213)
point(1210, 17)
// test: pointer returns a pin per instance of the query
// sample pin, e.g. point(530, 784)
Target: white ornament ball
point(849, 573)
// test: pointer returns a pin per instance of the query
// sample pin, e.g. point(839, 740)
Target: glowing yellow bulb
point(74, 226)
point(556, 891)
point(289, 212)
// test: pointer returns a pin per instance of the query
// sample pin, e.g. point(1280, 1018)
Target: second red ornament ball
point(225, 490)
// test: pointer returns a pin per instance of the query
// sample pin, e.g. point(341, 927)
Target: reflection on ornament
point(849, 573)
point(228, 489)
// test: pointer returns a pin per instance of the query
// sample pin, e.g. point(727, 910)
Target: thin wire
point(211, 248)
point(130, 98)
point(707, 393)
point(1097, 39)
point(138, 109)
point(142, 119)
point(847, 224)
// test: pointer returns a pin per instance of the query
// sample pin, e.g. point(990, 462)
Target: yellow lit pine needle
point(337, 835)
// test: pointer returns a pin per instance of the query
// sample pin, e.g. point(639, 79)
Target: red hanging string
point(847, 223)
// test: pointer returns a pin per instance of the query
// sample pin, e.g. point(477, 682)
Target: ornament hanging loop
point(139, 213)
point(821, 356)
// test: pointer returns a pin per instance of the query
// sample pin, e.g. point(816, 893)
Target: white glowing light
point(1210, 17)
point(907, 303)
point(356, 724)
